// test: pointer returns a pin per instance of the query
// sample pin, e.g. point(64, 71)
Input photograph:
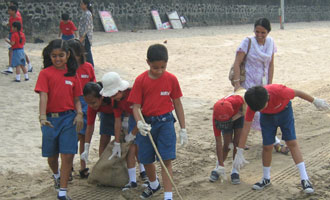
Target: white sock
point(62, 192)
point(234, 170)
point(18, 77)
point(26, 76)
point(217, 164)
point(57, 175)
point(277, 141)
point(132, 174)
point(141, 167)
point(168, 195)
point(266, 172)
point(29, 66)
point(302, 171)
point(154, 184)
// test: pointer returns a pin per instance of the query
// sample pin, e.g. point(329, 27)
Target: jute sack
point(111, 172)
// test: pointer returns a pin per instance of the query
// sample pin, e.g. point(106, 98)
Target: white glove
point(116, 151)
point(124, 124)
point(321, 104)
point(239, 160)
point(144, 128)
point(84, 155)
point(221, 172)
point(129, 137)
point(183, 136)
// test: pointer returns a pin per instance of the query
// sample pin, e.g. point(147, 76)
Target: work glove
point(144, 128)
point(116, 151)
point(321, 104)
point(84, 155)
point(129, 137)
point(79, 122)
point(183, 137)
point(239, 160)
point(124, 124)
point(44, 122)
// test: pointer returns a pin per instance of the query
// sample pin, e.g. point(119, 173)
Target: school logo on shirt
point(278, 106)
point(164, 93)
point(84, 76)
point(68, 82)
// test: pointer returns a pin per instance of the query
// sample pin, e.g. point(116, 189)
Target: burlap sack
point(110, 172)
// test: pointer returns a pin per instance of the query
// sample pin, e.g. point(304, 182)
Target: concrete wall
point(41, 17)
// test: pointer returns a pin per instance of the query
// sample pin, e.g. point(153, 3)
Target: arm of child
point(10, 42)
point(116, 150)
point(79, 119)
point(180, 115)
point(218, 143)
point(318, 103)
point(239, 160)
point(42, 110)
point(88, 138)
point(59, 33)
point(144, 128)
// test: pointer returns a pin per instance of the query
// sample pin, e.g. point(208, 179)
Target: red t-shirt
point(61, 89)
point(15, 19)
point(279, 97)
point(67, 28)
point(155, 95)
point(16, 38)
point(237, 102)
point(85, 73)
point(91, 113)
point(123, 106)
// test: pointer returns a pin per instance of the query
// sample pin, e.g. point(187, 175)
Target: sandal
point(84, 173)
point(280, 148)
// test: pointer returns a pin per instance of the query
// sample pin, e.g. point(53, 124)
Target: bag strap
point(249, 46)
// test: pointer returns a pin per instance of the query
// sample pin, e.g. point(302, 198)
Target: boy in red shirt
point(228, 119)
point(67, 28)
point(157, 92)
point(273, 102)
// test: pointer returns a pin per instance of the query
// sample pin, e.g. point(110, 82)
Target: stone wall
point(41, 17)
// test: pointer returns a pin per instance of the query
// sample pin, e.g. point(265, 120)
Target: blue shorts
point(107, 125)
point(62, 138)
point(18, 58)
point(237, 124)
point(163, 134)
point(283, 119)
point(67, 37)
point(84, 107)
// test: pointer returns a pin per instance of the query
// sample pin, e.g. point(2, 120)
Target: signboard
point(175, 20)
point(157, 20)
point(107, 21)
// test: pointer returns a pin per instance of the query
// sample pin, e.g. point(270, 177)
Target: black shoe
point(7, 72)
point(27, 79)
point(129, 185)
point(56, 183)
point(148, 192)
point(63, 197)
point(235, 179)
point(84, 173)
point(143, 176)
point(307, 186)
point(17, 81)
point(262, 184)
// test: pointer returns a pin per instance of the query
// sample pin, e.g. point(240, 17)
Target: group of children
point(70, 99)
point(16, 39)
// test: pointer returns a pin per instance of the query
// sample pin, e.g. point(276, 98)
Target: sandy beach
point(200, 58)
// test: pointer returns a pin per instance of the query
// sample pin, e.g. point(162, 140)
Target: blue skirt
point(18, 58)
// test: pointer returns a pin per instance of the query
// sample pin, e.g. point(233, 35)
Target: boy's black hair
point(18, 26)
point(65, 16)
point(94, 88)
point(264, 22)
point(157, 52)
point(72, 64)
point(256, 97)
point(14, 8)
point(78, 49)
point(15, 3)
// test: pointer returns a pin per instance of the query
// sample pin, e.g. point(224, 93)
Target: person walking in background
point(259, 65)
point(86, 28)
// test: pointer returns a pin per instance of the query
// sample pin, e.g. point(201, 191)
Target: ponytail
point(18, 26)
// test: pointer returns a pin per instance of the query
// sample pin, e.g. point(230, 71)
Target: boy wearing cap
point(228, 118)
point(157, 92)
point(273, 102)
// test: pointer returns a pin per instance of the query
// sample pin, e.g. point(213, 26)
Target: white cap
point(112, 83)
